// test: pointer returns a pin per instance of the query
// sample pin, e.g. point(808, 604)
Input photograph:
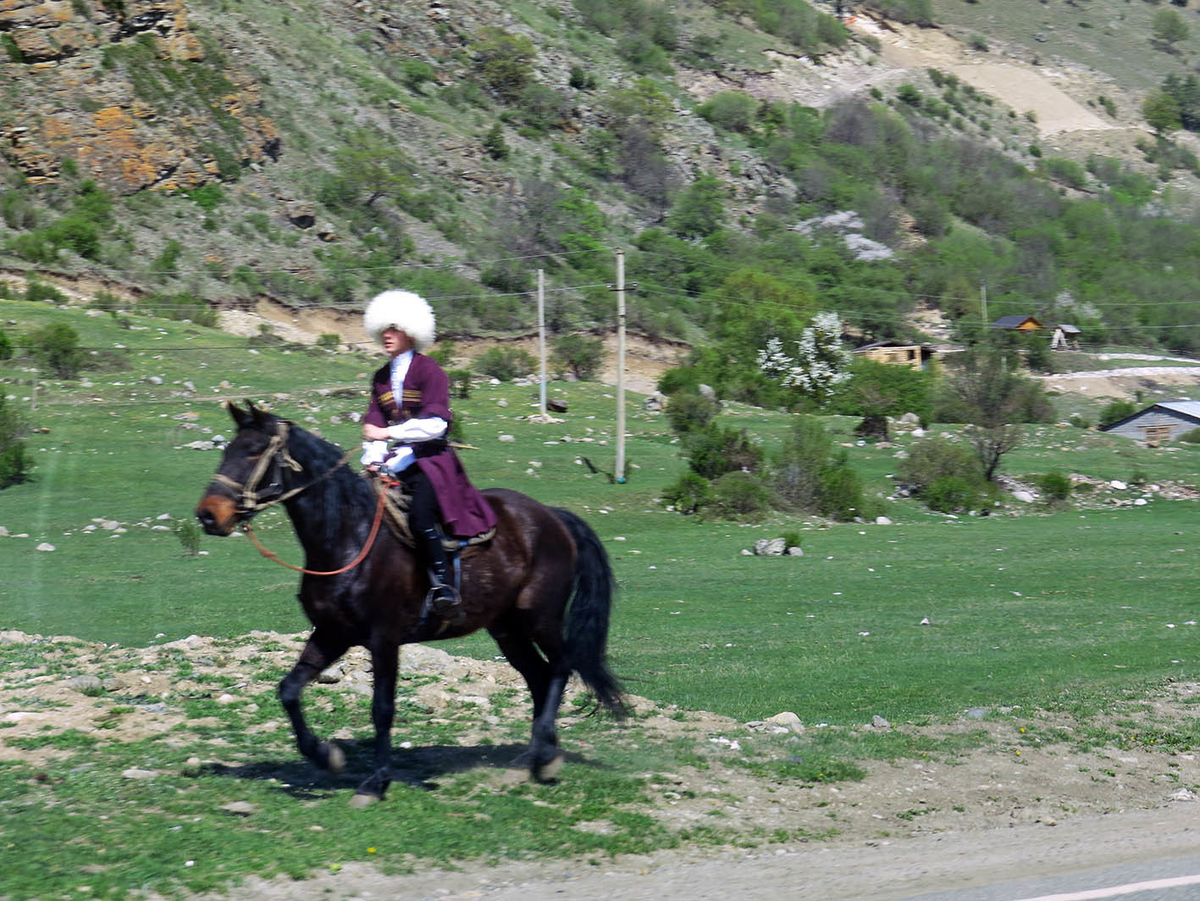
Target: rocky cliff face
point(125, 91)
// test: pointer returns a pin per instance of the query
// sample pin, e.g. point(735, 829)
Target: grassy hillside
point(316, 153)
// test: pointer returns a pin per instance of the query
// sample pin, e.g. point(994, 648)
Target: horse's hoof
point(548, 771)
point(359, 801)
point(335, 759)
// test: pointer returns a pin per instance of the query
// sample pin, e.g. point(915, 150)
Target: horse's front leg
point(384, 661)
point(319, 652)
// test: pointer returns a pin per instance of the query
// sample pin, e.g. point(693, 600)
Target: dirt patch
point(1021, 768)
point(1123, 384)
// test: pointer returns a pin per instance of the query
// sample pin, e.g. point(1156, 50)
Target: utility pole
point(541, 302)
point(620, 466)
point(983, 301)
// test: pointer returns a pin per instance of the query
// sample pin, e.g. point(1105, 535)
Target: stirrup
point(444, 601)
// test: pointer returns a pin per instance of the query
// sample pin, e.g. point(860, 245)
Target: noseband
point(247, 496)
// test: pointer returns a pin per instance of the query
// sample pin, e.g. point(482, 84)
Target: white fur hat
point(403, 310)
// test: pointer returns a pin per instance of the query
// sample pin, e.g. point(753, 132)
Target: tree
point(993, 398)
point(700, 209)
point(14, 463)
point(56, 348)
point(1168, 29)
point(821, 362)
point(1162, 112)
point(371, 167)
point(579, 354)
point(503, 61)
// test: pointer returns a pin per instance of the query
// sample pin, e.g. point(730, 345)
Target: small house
point(1159, 422)
point(1017, 323)
point(1066, 337)
point(895, 353)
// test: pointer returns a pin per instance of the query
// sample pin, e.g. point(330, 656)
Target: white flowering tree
point(820, 362)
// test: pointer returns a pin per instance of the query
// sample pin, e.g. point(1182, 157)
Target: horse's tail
point(587, 619)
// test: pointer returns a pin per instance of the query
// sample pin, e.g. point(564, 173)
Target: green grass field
point(1022, 608)
point(1073, 611)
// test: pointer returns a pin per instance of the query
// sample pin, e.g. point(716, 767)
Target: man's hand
point(374, 432)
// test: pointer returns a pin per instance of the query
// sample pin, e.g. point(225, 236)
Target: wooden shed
point(1159, 422)
point(1017, 323)
point(894, 353)
point(1066, 337)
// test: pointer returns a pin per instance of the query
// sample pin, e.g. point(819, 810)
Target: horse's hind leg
point(546, 684)
point(319, 652)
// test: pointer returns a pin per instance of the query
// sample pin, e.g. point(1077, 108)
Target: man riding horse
point(404, 435)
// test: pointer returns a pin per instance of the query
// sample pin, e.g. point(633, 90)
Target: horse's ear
point(257, 414)
point(234, 412)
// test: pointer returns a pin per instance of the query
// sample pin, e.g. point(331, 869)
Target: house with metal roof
point(1159, 422)
point(1017, 323)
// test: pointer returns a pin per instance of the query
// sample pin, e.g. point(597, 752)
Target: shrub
point(504, 363)
point(36, 290)
point(740, 494)
point(690, 412)
point(1054, 486)
point(329, 340)
point(951, 494)
point(688, 493)
point(494, 144)
point(6, 350)
point(1192, 437)
point(503, 61)
point(796, 466)
point(841, 496)
point(932, 459)
point(579, 354)
point(1080, 422)
point(187, 530)
point(730, 111)
point(56, 348)
point(1115, 412)
point(715, 450)
point(909, 94)
point(15, 464)
point(460, 383)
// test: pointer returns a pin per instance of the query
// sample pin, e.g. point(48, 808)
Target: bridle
point(248, 501)
point(247, 494)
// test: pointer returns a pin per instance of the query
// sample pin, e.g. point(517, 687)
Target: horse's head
point(252, 472)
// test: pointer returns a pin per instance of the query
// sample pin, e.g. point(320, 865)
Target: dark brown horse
point(542, 586)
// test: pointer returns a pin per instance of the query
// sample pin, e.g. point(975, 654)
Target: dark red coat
point(426, 392)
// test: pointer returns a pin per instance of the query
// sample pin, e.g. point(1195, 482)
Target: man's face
point(395, 342)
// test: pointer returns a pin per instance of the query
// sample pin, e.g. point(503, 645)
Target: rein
point(271, 555)
point(248, 501)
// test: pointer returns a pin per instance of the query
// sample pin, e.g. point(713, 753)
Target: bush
point(1192, 437)
point(36, 290)
point(688, 493)
point(504, 363)
point(740, 494)
point(715, 450)
point(952, 494)
point(329, 340)
point(15, 464)
point(730, 111)
point(187, 530)
point(1115, 412)
point(689, 412)
point(579, 354)
point(6, 350)
point(460, 383)
point(1054, 486)
point(56, 348)
point(796, 466)
point(841, 496)
point(933, 459)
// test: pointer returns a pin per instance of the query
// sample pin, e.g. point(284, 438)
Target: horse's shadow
point(417, 767)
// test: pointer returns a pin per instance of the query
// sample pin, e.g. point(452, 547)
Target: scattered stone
point(770, 547)
point(45, 546)
point(978, 713)
point(502, 402)
point(240, 808)
point(192, 767)
point(788, 720)
point(135, 773)
point(1117, 485)
point(506, 439)
point(880, 723)
point(925, 622)
point(1184, 794)
point(84, 684)
point(556, 406)
point(882, 521)
point(795, 551)
point(1023, 496)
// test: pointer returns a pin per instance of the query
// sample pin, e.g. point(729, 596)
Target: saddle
point(396, 502)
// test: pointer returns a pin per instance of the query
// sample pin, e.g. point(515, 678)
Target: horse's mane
point(341, 501)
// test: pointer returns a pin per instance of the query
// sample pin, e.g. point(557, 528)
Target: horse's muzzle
point(218, 515)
